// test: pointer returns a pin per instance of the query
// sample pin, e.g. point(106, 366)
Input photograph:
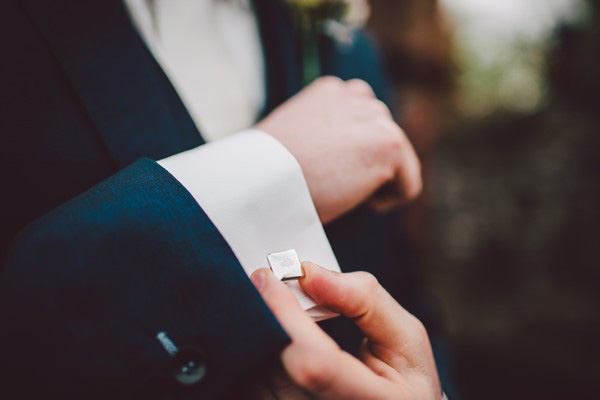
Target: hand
point(395, 360)
point(346, 144)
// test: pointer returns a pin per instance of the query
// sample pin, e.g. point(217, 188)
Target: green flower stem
point(310, 16)
point(311, 60)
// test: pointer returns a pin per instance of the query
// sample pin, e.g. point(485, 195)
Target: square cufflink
point(286, 265)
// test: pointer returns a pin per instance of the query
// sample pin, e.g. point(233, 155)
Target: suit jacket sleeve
point(87, 288)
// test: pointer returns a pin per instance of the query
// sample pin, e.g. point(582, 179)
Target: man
point(138, 285)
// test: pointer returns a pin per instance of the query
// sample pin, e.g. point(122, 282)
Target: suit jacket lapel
point(126, 94)
point(129, 99)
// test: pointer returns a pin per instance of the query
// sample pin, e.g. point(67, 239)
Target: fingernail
point(259, 278)
point(303, 266)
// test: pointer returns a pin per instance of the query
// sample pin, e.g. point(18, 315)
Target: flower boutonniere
point(335, 18)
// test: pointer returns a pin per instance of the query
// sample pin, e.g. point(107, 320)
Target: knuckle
point(314, 371)
point(376, 108)
point(360, 85)
point(392, 142)
point(420, 337)
point(358, 81)
point(395, 140)
point(387, 124)
point(368, 283)
point(420, 329)
point(381, 107)
point(329, 82)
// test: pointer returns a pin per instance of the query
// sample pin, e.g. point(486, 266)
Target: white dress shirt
point(248, 184)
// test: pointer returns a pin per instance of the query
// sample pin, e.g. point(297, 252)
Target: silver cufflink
point(286, 265)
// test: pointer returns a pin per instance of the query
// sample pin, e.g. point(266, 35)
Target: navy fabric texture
point(87, 288)
point(82, 97)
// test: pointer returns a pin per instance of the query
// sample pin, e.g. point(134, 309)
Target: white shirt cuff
point(254, 192)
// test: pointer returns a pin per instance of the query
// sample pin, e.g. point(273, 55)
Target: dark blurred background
point(501, 99)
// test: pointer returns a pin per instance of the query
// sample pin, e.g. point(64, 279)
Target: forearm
point(88, 287)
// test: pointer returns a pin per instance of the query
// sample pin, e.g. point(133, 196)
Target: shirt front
point(211, 52)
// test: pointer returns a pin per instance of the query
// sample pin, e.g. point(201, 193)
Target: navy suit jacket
point(112, 249)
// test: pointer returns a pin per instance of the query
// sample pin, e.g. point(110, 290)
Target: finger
point(360, 87)
point(332, 83)
point(313, 360)
point(376, 364)
point(408, 170)
point(299, 326)
point(282, 386)
point(395, 335)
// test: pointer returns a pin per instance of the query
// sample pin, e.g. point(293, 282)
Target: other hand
point(346, 143)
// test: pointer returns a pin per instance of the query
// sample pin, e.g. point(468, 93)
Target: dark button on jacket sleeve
point(189, 366)
point(87, 288)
